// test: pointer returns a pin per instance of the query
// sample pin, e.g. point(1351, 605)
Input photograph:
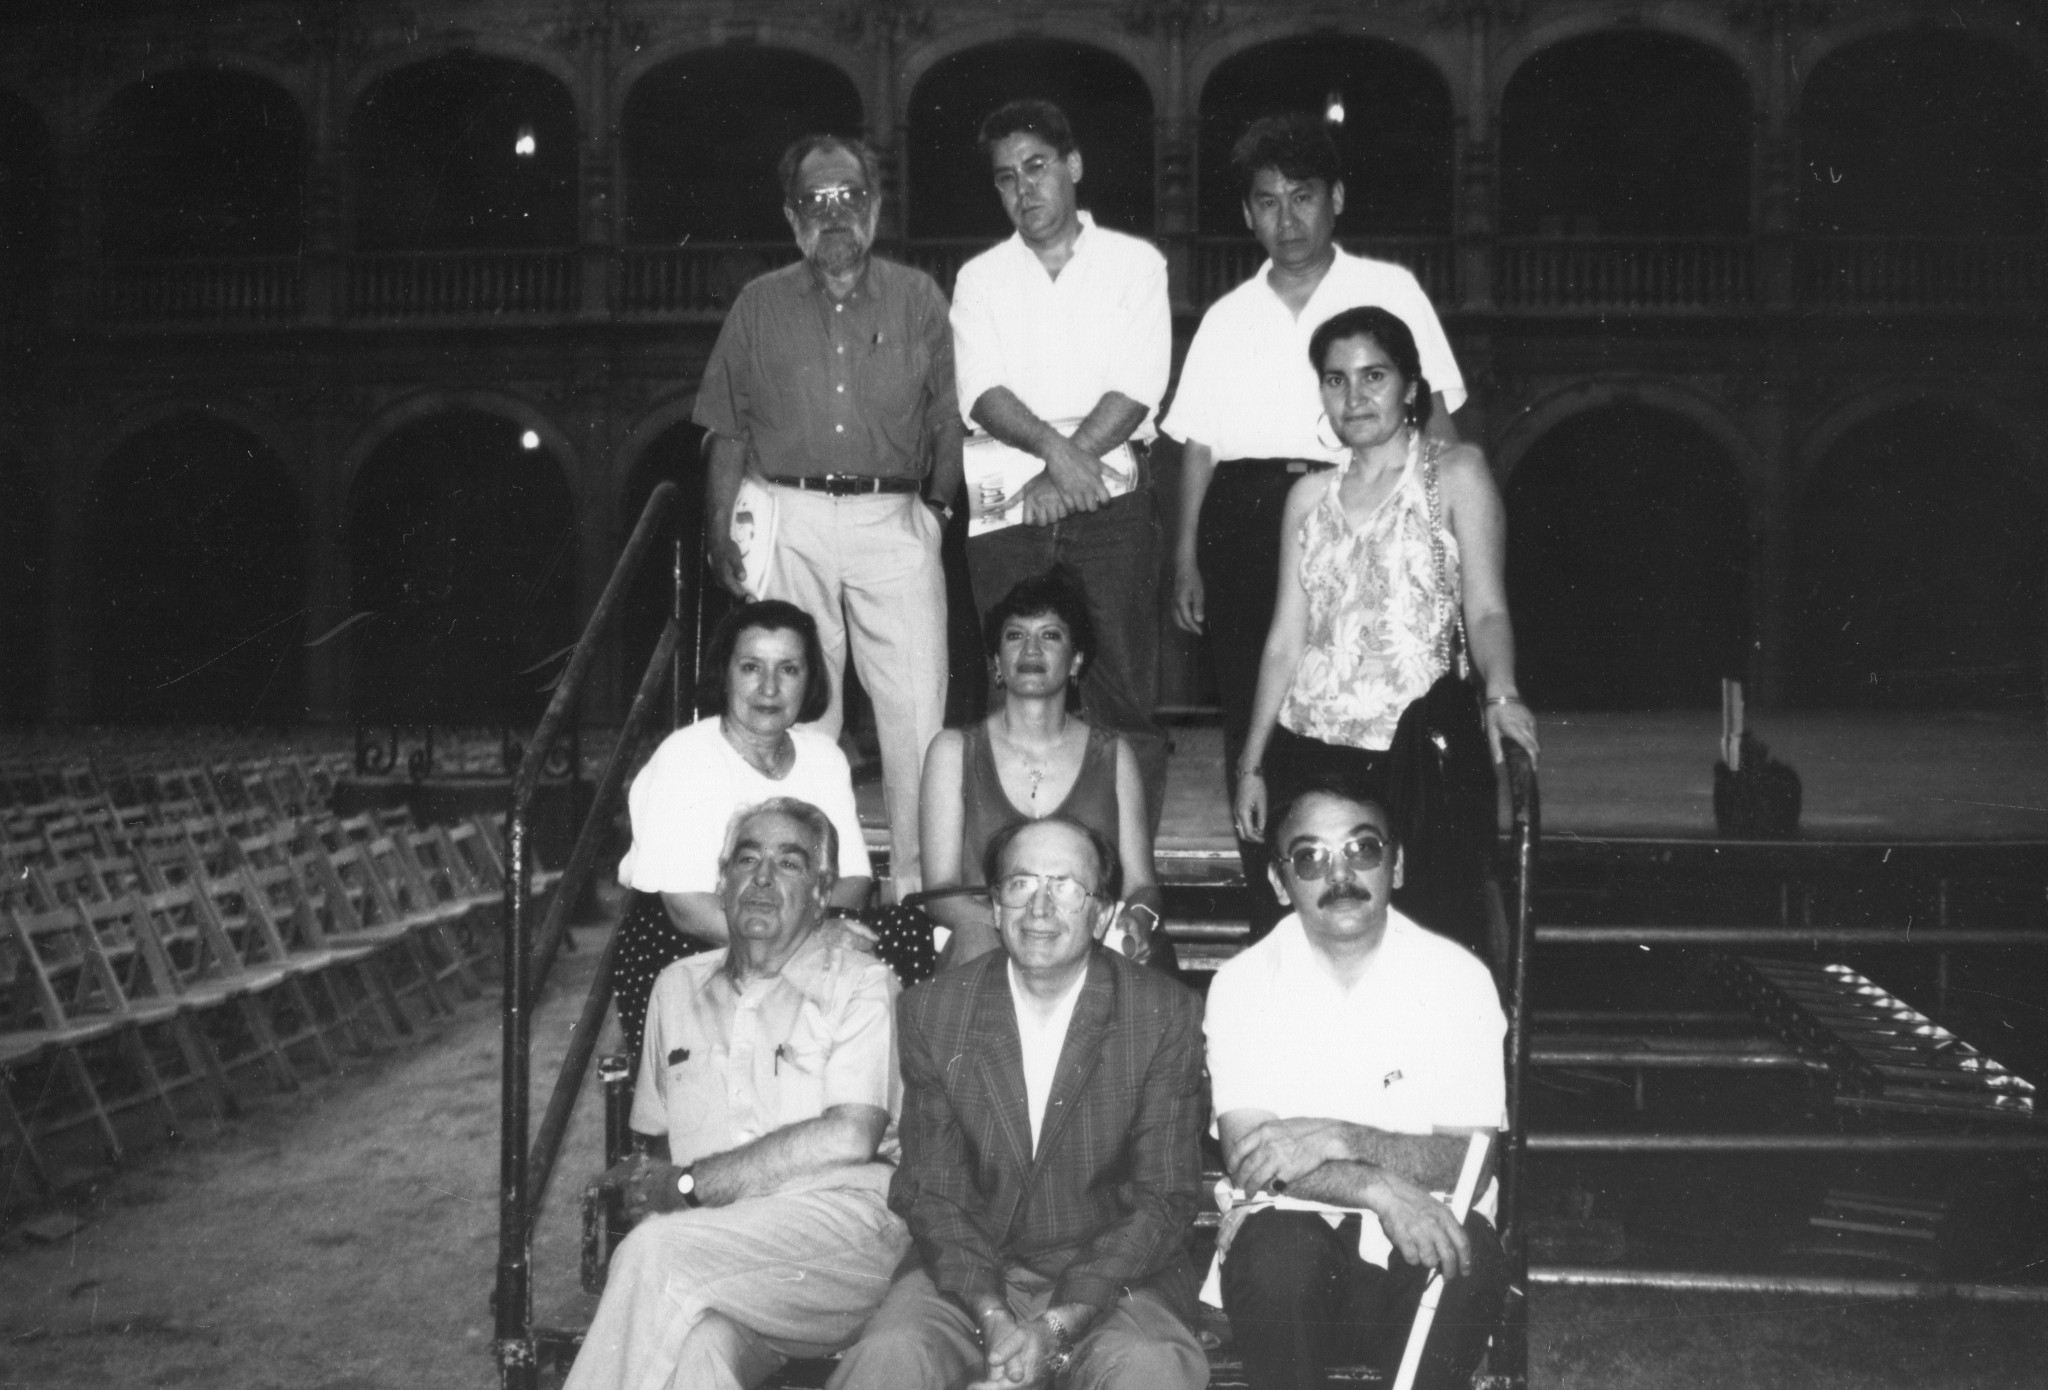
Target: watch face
point(686, 1182)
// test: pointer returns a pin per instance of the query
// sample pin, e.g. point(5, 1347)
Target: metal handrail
point(522, 1174)
point(1525, 834)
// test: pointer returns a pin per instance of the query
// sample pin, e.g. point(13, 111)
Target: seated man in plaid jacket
point(1052, 1110)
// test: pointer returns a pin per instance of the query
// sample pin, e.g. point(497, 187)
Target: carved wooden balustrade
point(1531, 276)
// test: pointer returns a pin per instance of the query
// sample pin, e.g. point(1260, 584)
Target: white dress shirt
point(1042, 1038)
point(1061, 344)
point(1412, 1045)
point(1248, 390)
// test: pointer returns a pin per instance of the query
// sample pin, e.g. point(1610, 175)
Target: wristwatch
point(686, 1188)
point(1063, 1343)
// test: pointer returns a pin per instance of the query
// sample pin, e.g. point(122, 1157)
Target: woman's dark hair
point(1395, 340)
point(1295, 144)
point(1031, 116)
point(1109, 865)
point(1058, 591)
point(770, 615)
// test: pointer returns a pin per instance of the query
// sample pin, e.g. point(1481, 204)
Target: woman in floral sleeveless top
point(1371, 556)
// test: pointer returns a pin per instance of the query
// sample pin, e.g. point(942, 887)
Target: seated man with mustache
point(1352, 1054)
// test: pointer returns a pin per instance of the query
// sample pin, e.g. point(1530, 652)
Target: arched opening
point(462, 554)
point(24, 592)
point(1628, 563)
point(25, 180)
point(701, 135)
point(464, 152)
point(1396, 129)
point(675, 456)
point(1930, 132)
point(201, 162)
point(1108, 104)
point(199, 582)
point(1625, 134)
point(1921, 557)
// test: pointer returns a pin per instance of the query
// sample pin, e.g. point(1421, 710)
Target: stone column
point(597, 220)
point(1175, 166)
point(326, 180)
point(327, 575)
point(1774, 151)
point(1771, 576)
point(1476, 214)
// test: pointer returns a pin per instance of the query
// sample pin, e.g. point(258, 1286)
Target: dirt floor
point(344, 1238)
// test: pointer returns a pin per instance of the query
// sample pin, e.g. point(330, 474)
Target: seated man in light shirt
point(767, 1094)
point(1352, 1055)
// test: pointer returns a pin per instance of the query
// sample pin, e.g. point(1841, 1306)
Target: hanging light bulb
point(524, 146)
point(530, 440)
point(1333, 109)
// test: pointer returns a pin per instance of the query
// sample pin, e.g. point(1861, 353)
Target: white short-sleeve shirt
point(684, 799)
point(1414, 1044)
point(1247, 389)
point(726, 1063)
point(1061, 344)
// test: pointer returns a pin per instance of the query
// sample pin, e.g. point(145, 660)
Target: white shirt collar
point(1041, 1041)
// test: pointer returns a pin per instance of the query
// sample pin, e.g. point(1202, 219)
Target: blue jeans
point(1116, 553)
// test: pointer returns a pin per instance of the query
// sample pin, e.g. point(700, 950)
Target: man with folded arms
point(832, 381)
point(1353, 1054)
point(767, 1093)
point(1062, 342)
point(1051, 1115)
point(1249, 411)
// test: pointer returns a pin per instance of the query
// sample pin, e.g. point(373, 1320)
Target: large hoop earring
point(1333, 444)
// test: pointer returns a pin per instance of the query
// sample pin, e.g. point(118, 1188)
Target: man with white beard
point(832, 384)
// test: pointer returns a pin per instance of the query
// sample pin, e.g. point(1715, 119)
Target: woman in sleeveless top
point(1368, 562)
point(1030, 758)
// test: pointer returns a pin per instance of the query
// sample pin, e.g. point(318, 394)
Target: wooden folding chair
point(357, 910)
point(209, 976)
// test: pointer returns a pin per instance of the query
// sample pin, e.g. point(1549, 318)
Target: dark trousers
point(1237, 549)
point(1115, 551)
point(1300, 1300)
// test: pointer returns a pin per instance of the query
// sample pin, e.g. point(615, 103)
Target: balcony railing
point(698, 280)
point(1665, 274)
point(460, 284)
point(1220, 263)
point(251, 289)
point(1924, 273)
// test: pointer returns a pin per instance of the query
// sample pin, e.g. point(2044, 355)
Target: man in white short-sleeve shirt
point(767, 1101)
point(1351, 1054)
point(1249, 413)
point(1062, 345)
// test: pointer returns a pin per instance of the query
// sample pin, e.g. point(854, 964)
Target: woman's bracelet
point(1493, 700)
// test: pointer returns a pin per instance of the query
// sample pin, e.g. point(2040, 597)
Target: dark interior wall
point(201, 162)
point(1397, 135)
point(1628, 553)
point(951, 193)
point(701, 135)
point(198, 580)
point(1921, 569)
point(24, 592)
point(25, 187)
point(1931, 133)
point(434, 156)
point(462, 554)
point(1625, 134)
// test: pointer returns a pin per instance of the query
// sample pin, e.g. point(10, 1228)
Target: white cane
point(1425, 1315)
